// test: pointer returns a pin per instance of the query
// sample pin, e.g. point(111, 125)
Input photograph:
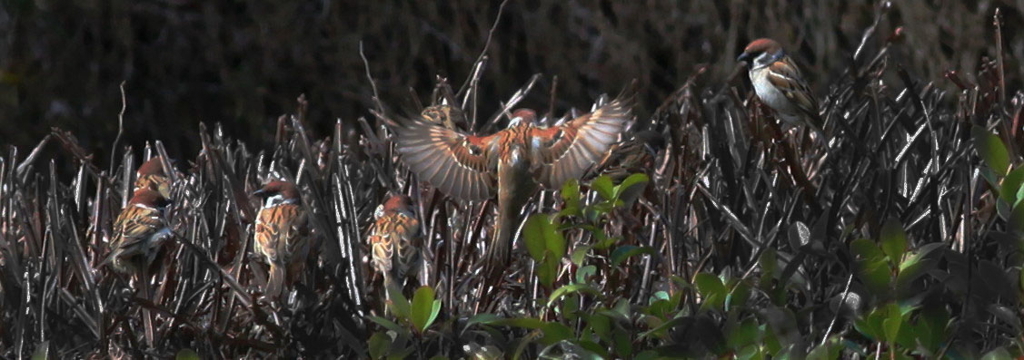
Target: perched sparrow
point(511, 162)
point(151, 175)
point(394, 238)
point(139, 232)
point(282, 234)
point(778, 83)
point(451, 117)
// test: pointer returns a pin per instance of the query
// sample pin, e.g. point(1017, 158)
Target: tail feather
point(275, 283)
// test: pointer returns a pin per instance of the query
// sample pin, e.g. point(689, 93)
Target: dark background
point(244, 63)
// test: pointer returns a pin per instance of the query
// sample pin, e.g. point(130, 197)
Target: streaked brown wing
point(133, 231)
point(785, 75)
point(393, 243)
point(568, 151)
point(458, 164)
point(282, 234)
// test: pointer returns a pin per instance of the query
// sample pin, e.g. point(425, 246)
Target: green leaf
point(571, 198)
point(583, 273)
point(604, 187)
point(579, 254)
point(541, 232)
point(1016, 220)
point(572, 289)
point(387, 324)
point(183, 354)
point(1012, 186)
point(712, 289)
point(485, 319)
point(631, 188)
point(894, 240)
point(999, 353)
point(424, 308)
point(991, 149)
point(43, 351)
point(865, 250)
point(737, 296)
point(555, 332)
point(534, 236)
point(745, 333)
point(398, 304)
point(378, 345)
point(624, 252)
point(547, 270)
point(601, 326)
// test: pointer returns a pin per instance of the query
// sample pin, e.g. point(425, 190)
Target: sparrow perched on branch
point(282, 234)
point(395, 238)
point(139, 232)
point(779, 84)
point(151, 175)
point(512, 162)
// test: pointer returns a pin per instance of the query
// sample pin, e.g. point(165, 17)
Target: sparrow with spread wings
point(510, 163)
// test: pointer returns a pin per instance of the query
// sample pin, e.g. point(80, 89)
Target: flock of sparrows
point(510, 164)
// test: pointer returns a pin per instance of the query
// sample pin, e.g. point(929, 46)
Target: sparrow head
point(395, 204)
point(152, 167)
point(450, 116)
point(278, 192)
point(523, 116)
point(148, 198)
point(763, 51)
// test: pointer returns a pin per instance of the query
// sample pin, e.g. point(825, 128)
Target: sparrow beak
point(259, 193)
point(743, 57)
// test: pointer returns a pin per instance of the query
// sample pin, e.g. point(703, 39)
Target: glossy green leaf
point(579, 254)
point(865, 250)
point(893, 240)
point(711, 289)
point(604, 187)
point(745, 333)
point(547, 270)
point(183, 354)
point(534, 235)
point(584, 273)
point(555, 332)
point(397, 302)
point(631, 188)
point(738, 296)
point(484, 318)
point(43, 352)
point(624, 252)
point(423, 308)
point(572, 289)
point(571, 197)
point(991, 150)
point(387, 324)
point(1011, 186)
point(999, 353)
point(378, 345)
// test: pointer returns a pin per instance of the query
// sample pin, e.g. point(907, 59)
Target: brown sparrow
point(395, 238)
point(635, 154)
point(282, 234)
point(511, 162)
point(451, 117)
point(151, 175)
point(779, 84)
point(139, 232)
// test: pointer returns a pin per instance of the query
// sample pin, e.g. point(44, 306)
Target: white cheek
point(768, 93)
